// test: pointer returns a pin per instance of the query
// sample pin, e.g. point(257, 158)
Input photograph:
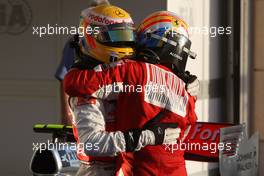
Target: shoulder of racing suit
point(79, 83)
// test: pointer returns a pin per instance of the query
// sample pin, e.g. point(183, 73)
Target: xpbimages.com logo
point(192, 146)
point(211, 31)
point(47, 30)
point(49, 145)
point(118, 87)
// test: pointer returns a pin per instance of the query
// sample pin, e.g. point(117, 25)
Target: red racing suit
point(142, 90)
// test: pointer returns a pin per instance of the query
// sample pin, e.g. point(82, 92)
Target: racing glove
point(132, 139)
point(160, 133)
point(193, 88)
point(192, 83)
point(165, 133)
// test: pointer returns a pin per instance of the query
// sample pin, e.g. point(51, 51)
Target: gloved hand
point(192, 83)
point(193, 88)
point(132, 139)
point(160, 133)
point(165, 133)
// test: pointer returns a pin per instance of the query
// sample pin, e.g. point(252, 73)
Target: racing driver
point(113, 42)
point(161, 98)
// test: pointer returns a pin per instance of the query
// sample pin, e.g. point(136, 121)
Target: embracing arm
point(90, 123)
point(103, 79)
point(79, 83)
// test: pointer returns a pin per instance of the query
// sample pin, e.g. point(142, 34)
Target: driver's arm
point(90, 123)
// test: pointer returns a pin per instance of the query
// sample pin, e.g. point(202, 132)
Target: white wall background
point(207, 65)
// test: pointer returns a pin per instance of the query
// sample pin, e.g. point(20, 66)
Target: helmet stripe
point(158, 15)
point(152, 23)
point(153, 19)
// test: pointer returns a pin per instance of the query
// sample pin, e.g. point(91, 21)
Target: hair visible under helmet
point(113, 36)
point(163, 38)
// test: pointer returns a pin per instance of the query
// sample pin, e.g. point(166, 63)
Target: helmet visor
point(120, 32)
point(121, 36)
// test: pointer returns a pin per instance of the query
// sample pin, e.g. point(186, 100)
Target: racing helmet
point(109, 33)
point(164, 36)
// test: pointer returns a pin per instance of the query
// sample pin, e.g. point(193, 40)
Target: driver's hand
point(193, 88)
